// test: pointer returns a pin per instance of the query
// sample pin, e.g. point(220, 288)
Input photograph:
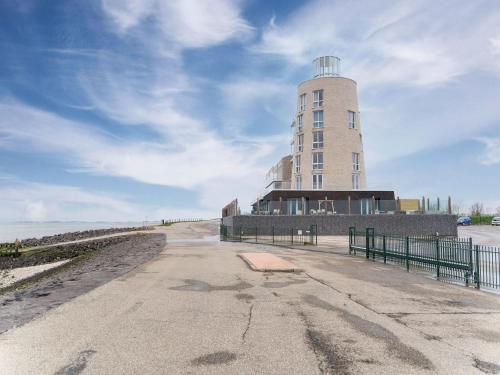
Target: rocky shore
point(73, 236)
point(56, 253)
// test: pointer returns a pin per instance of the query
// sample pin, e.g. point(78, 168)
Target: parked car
point(464, 220)
point(495, 220)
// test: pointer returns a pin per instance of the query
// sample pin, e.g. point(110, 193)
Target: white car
point(495, 220)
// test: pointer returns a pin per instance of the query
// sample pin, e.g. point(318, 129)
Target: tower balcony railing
point(278, 185)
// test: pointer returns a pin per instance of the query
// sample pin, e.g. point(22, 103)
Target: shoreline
point(70, 236)
point(9, 232)
point(90, 265)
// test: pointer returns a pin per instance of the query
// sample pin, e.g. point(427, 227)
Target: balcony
point(278, 185)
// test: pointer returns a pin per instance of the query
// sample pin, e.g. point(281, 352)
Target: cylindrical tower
point(328, 147)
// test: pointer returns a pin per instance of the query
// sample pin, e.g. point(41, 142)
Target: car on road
point(495, 220)
point(464, 220)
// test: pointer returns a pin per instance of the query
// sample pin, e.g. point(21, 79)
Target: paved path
point(198, 309)
point(487, 235)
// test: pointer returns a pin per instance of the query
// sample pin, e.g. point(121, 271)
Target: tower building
point(327, 143)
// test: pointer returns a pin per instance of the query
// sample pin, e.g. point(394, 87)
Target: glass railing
point(326, 207)
point(278, 185)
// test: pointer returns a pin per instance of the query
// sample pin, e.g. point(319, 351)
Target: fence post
point(292, 236)
point(477, 277)
point(256, 235)
point(240, 232)
point(367, 243)
point(438, 259)
point(407, 254)
point(351, 234)
point(273, 233)
point(384, 248)
point(470, 272)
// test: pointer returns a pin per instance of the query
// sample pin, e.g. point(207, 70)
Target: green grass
point(483, 219)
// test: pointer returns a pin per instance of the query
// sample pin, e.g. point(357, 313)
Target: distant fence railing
point(451, 258)
point(270, 235)
point(173, 221)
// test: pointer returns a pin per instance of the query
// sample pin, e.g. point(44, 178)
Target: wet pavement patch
point(244, 296)
point(282, 284)
point(201, 286)
point(486, 367)
point(216, 358)
point(331, 359)
point(405, 353)
point(78, 365)
point(488, 336)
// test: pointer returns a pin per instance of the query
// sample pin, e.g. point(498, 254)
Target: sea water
point(11, 231)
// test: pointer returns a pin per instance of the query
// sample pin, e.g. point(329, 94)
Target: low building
point(313, 202)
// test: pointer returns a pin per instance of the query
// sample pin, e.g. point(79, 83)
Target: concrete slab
point(268, 262)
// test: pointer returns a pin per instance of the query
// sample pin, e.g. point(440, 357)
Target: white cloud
point(245, 101)
point(491, 154)
point(186, 161)
point(402, 43)
point(186, 23)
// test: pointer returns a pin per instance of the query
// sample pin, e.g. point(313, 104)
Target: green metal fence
point(270, 235)
point(450, 258)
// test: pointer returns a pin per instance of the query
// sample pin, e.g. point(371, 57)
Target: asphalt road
point(487, 235)
point(198, 309)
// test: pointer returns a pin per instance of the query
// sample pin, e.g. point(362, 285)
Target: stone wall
point(339, 224)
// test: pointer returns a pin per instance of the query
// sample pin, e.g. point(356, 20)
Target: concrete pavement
point(486, 235)
point(198, 309)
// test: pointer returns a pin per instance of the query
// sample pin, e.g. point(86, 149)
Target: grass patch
point(480, 220)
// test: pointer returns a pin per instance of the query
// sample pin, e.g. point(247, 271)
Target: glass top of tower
point(326, 66)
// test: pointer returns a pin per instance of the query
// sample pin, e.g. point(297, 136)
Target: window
point(351, 118)
point(300, 142)
point(355, 181)
point(297, 163)
point(317, 98)
point(300, 122)
point(317, 119)
point(355, 161)
point(302, 102)
point(317, 140)
point(317, 161)
point(298, 182)
point(317, 181)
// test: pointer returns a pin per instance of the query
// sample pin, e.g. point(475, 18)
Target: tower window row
point(318, 120)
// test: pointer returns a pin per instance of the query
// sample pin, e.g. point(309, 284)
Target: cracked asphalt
point(198, 309)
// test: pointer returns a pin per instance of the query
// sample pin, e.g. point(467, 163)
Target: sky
point(147, 109)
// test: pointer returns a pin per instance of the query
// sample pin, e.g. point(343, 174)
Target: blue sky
point(116, 110)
